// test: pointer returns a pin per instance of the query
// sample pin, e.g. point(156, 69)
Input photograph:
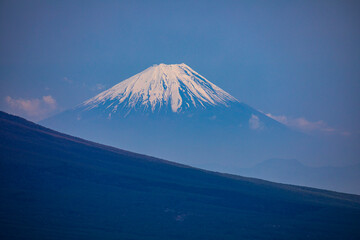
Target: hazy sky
point(295, 59)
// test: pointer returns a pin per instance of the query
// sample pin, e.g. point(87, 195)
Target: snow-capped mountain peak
point(176, 87)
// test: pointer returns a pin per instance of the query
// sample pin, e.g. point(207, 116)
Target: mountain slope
point(55, 186)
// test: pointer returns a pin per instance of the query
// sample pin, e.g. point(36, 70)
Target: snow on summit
point(174, 87)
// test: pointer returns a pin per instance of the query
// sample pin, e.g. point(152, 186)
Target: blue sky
point(298, 60)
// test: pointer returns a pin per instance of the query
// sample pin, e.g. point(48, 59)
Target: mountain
point(173, 112)
point(55, 186)
point(292, 171)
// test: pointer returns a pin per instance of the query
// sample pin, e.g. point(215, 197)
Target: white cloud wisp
point(34, 109)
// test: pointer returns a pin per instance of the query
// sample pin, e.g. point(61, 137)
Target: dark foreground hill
point(54, 186)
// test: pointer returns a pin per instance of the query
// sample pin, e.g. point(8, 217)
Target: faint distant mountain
point(292, 171)
point(55, 186)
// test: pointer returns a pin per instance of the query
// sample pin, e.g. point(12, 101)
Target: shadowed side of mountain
point(54, 186)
